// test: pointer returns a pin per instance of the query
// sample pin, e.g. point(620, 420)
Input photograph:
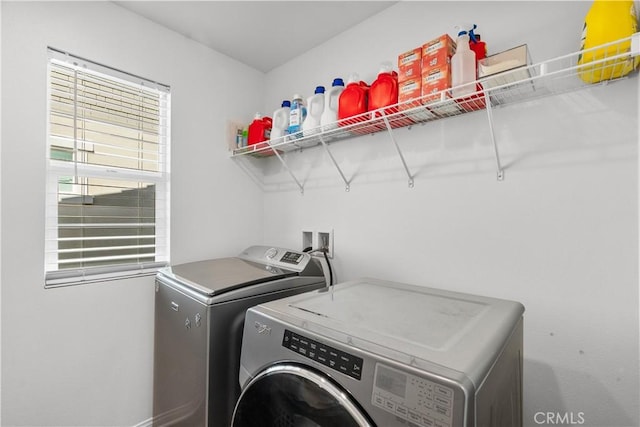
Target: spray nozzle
point(463, 29)
point(472, 36)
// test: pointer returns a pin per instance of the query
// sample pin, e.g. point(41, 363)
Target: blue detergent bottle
point(296, 116)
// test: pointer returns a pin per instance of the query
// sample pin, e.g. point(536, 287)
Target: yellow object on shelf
point(606, 22)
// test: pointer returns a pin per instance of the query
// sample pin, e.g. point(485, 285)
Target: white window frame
point(56, 276)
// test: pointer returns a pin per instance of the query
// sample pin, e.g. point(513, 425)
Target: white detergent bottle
point(315, 107)
point(280, 126)
point(329, 117)
point(463, 65)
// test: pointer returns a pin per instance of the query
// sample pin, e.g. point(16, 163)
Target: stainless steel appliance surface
point(199, 314)
point(378, 353)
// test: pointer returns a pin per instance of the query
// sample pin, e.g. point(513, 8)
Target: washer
point(378, 353)
point(199, 315)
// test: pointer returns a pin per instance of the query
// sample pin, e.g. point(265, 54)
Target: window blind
point(108, 188)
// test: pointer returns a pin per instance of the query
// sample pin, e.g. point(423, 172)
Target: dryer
point(199, 313)
point(379, 353)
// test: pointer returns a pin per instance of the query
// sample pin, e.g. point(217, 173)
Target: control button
point(428, 421)
point(390, 405)
point(443, 390)
point(442, 401)
point(402, 410)
point(271, 253)
point(414, 416)
point(442, 410)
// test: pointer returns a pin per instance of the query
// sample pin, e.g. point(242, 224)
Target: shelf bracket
point(404, 162)
point(289, 170)
point(500, 174)
point(347, 186)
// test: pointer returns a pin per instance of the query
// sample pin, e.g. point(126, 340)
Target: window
point(107, 207)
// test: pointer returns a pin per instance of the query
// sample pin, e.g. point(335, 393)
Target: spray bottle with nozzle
point(463, 64)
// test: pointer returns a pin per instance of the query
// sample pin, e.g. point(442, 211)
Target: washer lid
point(216, 276)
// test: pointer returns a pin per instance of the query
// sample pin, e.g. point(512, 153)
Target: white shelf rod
point(404, 163)
point(289, 170)
point(489, 109)
point(347, 185)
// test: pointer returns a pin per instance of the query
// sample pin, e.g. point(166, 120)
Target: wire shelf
point(587, 68)
point(599, 65)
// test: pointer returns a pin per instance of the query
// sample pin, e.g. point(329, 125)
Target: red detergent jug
point(259, 129)
point(383, 93)
point(352, 102)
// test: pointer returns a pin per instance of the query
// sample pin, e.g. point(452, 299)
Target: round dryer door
point(293, 396)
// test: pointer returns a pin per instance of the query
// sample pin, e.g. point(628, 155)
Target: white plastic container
point(329, 117)
point(280, 126)
point(297, 115)
point(463, 66)
point(315, 108)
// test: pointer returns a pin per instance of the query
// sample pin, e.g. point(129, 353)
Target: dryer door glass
point(294, 396)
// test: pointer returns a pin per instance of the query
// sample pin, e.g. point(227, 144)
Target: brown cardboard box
point(437, 52)
point(409, 98)
point(409, 89)
point(440, 74)
point(409, 64)
point(434, 82)
point(438, 59)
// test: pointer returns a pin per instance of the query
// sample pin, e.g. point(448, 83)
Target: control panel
point(277, 257)
point(338, 360)
point(291, 257)
point(416, 399)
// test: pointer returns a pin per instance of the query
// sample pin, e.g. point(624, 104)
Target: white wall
point(560, 234)
point(84, 355)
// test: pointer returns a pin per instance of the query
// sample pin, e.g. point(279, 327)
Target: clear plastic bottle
point(463, 66)
point(296, 116)
point(315, 107)
point(280, 125)
point(329, 117)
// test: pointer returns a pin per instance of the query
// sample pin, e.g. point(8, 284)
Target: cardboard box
point(434, 82)
point(439, 59)
point(409, 64)
point(440, 75)
point(409, 98)
point(437, 52)
point(431, 89)
point(409, 89)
